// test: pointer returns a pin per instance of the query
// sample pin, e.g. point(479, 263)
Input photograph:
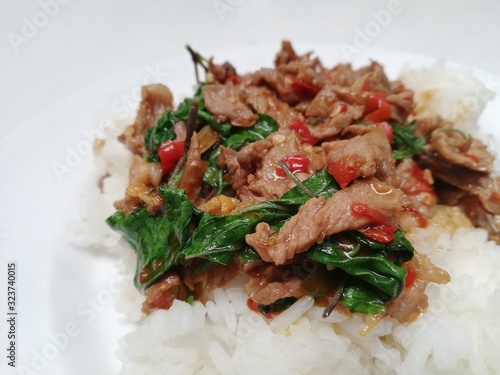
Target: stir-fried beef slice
point(342, 75)
point(323, 103)
point(479, 184)
point(410, 304)
point(264, 101)
point(278, 82)
point(425, 126)
point(337, 122)
point(222, 72)
point(156, 99)
point(286, 54)
point(473, 208)
point(401, 100)
point(373, 77)
point(413, 301)
point(265, 182)
point(417, 186)
point(362, 156)
point(457, 149)
point(194, 169)
point(318, 218)
point(162, 294)
point(268, 284)
point(143, 178)
point(240, 164)
point(225, 103)
point(203, 283)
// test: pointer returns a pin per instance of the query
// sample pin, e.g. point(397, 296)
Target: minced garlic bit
point(221, 205)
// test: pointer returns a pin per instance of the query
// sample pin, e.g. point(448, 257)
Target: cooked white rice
point(458, 334)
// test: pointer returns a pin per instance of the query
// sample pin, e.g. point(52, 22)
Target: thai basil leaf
point(402, 250)
point(248, 255)
point(377, 271)
point(264, 127)
point(278, 306)
point(156, 135)
point(214, 176)
point(358, 297)
point(157, 238)
point(225, 234)
point(406, 143)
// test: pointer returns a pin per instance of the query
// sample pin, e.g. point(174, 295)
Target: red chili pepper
point(377, 108)
point(161, 301)
point(422, 222)
point(342, 172)
point(411, 275)
point(420, 185)
point(234, 79)
point(387, 128)
point(303, 88)
point(473, 157)
point(170, 152)
point(295, 163)
point(380, 233)
point(375, 215)
point(252, 305)
point(303, 131)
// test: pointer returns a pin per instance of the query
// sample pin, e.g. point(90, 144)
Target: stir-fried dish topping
point(302, 178)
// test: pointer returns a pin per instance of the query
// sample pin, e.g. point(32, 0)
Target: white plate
point(66, 321)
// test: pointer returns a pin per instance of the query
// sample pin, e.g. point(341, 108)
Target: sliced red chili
point(387, 128)
point(303, 88)
point(252, 305)
point(473, 157)
point(295, 163)
point(380, 233)
point(161, 301)
point(375, 215)
point(303, 131)
point(411, 275)
point(342, 172)
point(170, 152)
point(377, 108)
point(422, 222)
point(420, 184)
point(234, 79)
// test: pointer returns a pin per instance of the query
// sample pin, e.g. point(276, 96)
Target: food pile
point(301, 180)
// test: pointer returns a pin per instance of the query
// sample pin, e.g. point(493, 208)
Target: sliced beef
point(221, 73)
point(323, 103)
point(253, 169)
point(468, 152)
point(417, 186)
point(264, 101)
point(361, 156)
point(156, 99)
point(402, 104)
point(319, 218)
point(338, 121)
point(203, 283)
point(225, 103)
point(286, 54)
point(413, 301)
point(143, 178)
point(162, 293)
point(194, 169)
point(268, 284)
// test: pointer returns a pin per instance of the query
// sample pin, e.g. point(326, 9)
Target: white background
point(52, 53)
